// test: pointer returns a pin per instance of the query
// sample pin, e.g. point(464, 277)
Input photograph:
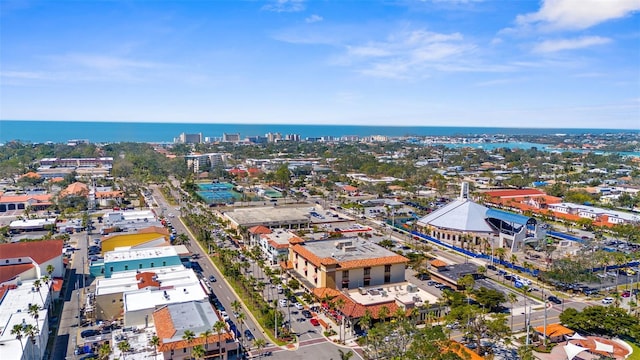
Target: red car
point(314, 322)
point(626, 294)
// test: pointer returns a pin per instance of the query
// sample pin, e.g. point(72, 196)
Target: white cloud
point(407, 54)
point(285, 6)
point(549, 46)
point(103, 62)
point(576, 14)
point(314, 18)
point(25, 75)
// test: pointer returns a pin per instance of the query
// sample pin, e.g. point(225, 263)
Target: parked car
point(626, 294)
point(492, 267)
point(283, 303)
point(554, 299)
point(314, 322)
point(298, 306)
point(224, 315)
point(248, 335)
point(89, 333)
point(607, 300)
point(307, 314)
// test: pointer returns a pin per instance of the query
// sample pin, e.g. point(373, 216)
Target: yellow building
point(149, 237)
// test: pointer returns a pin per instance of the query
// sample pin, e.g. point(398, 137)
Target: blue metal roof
point(507, 216)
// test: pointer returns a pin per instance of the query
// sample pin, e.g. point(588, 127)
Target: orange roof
point(260, 230)
point(515, 193)
point(8, 272)
point(438, 263)
point(56, 179)
point(463, 351)
point(296, 240)
point(277, 245)
point(154, 229)
point(39, 251)
point(77, 188)
point(166, 330)
point(554, 330)
point(57, 284)
point(286, 265)
point(317, 261)
point(25, 198)
point(146, 279)
point(31, 174)
point(321, 292)
point(4, 289)
point(349, 188)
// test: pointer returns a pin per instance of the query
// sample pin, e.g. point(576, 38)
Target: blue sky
point(553, 63)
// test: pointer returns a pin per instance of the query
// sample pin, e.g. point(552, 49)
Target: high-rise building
point(188, 139)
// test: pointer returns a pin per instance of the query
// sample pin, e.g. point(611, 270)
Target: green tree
point(154, 341)
point(18, 331)
point(198, 352)
point(124, 348)
point(188, 336)
point(219, 328)
point(345, 355)
point(104, 351)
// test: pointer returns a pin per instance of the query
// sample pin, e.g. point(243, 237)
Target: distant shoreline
point(39, 131)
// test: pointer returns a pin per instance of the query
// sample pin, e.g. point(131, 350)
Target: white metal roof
point(461, 215)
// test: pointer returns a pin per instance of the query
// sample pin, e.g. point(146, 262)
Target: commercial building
point(346, 263)
point(270, 217)
point(172, 321)
point(466, 224)
point(188, 139)
point(145, 238)
point(131, 259)
point(30, 260)
point(275, 244)
point(21, 202)
point(110, 293)
point(15, 301)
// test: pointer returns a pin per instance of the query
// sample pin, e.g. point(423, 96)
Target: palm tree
point(345, 355)
point(37, 285)
point(124, 347)
point(383, 313)
point(205, 334)
point(236, 306)
point(18, 332)
point(31, 332)
point(154, 341)
point(188, 336)
point(219, 327)
point(198, 352)
point(241, 318)
point(50, 269)
point(513, 298)
point(260, 344)
point(104, 351)
point(500, 253)
point(34, 312)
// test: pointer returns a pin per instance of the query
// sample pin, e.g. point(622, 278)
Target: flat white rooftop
point(14, 311)
point(123, 282)
point(127, 253)
point(280, 236)
point(150, 298)
point(404, 292)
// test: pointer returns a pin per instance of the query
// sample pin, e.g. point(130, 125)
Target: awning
point(576, 336)
point(573, 350)
point(603, 347)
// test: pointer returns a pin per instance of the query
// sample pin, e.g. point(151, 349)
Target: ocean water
point(100, 132)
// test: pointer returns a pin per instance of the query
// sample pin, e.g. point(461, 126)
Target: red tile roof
point(349, 264)
point(515, 193)
point(31, 174)
point(349, 188)
point(8, 272)
point(39, 251)
point(438, 263)
point(57, 284)
point(146, 279)
point(4, 289)
point(554, 330)
point(77, 188)
point(260, 230)
point(24, 198)
point(166, 330)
